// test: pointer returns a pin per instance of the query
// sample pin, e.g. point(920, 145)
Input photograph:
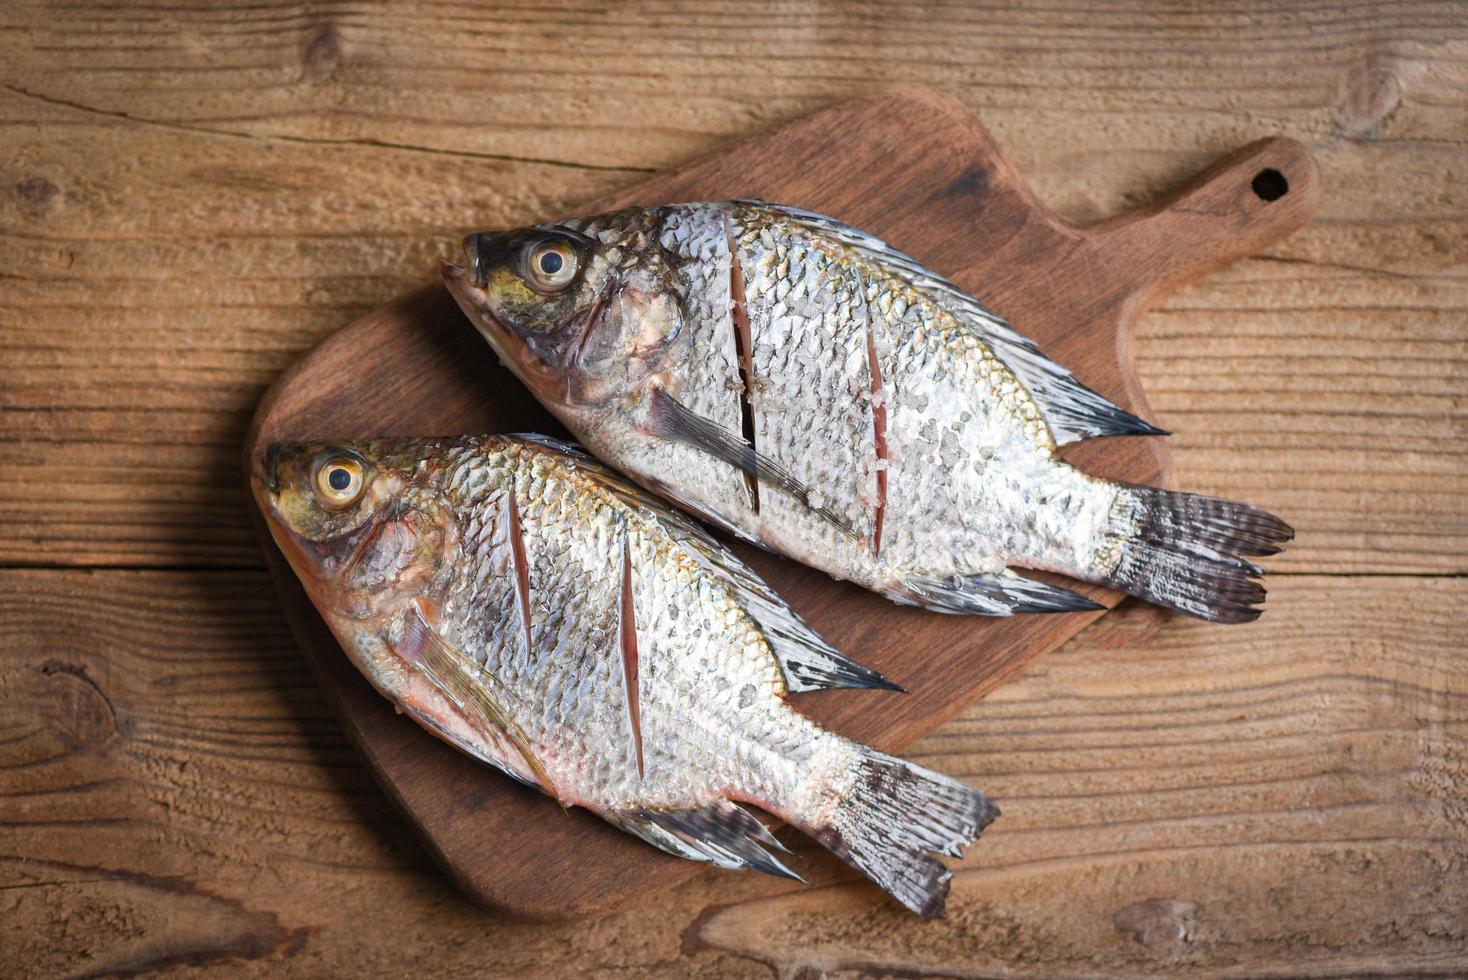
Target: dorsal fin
point(1071, 410)
point(808, 662)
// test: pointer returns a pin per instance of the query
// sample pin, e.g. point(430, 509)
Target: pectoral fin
point(466, 685)
point(672, 419)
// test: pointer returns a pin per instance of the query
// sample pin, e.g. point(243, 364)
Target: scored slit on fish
point(517, 560)
point(744, 350)
point(627, 639)
point(879, 436)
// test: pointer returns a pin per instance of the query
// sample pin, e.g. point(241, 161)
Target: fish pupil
point(550, 263)
point(339, 479)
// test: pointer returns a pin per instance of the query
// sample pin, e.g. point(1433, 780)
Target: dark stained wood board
point(917, 170)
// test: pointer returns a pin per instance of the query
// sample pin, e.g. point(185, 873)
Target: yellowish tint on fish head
point(363, 535)
point(582, 322)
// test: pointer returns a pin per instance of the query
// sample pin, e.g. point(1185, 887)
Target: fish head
point(362, 529)
point(583, 315)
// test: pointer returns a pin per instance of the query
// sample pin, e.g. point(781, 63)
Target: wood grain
point(908, 168)
point(1236, 802)
point(193, 194)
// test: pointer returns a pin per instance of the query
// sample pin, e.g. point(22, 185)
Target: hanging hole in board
point(1270, 185)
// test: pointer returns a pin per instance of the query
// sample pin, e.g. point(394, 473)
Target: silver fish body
point(811, 389)
point(538, 612)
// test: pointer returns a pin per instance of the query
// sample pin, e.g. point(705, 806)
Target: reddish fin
point(627, 640)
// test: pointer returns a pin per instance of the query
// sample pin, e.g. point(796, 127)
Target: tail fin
point(1184, 551)
point(895, 813)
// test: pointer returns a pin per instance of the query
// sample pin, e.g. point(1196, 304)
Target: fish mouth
point(265, 486)
point(465, 285)
point(265, 477)
point(467, 289)
point(271, 475)
point(475, 271)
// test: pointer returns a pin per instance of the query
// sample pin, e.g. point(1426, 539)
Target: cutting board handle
point(1237, 207)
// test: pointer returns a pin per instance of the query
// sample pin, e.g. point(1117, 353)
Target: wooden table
point(192, 194)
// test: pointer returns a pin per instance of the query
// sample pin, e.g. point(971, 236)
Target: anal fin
point(1002, 594)
point(722, 834)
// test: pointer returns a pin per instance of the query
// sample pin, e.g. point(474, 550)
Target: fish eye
point(550, 265)
point(339, 481)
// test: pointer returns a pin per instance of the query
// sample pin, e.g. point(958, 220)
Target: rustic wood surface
point(909, 167)
point(192, 195)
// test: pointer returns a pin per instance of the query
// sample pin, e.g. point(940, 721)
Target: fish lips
point(466, 289)
point(464, 286)
point(265, 485)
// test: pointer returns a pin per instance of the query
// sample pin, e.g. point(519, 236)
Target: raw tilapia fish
point(533, 609)
point(803, 385)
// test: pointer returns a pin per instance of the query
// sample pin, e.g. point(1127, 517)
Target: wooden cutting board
point(917, 170)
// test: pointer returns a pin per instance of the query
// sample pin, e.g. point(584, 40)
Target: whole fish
point(533, 609)
point(802, 384)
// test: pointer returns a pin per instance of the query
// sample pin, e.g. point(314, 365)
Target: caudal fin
point(1186, 552)
point(893, 816)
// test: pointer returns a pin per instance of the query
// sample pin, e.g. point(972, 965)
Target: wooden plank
point(1261, 800)
point(651, 84)
point(184, 188)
